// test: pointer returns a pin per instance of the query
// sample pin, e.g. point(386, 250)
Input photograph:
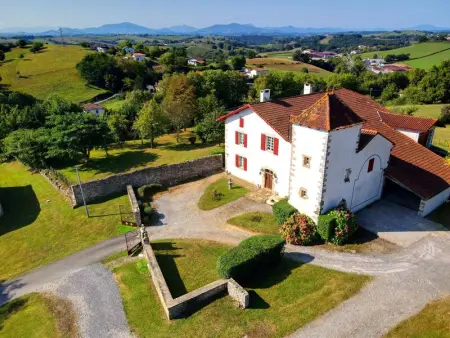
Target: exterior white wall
point(311, 143)
point(434, 202)
point(362, 188)
point(414, 135)
point(138, 57)
point(257, 159)
point(97, 112)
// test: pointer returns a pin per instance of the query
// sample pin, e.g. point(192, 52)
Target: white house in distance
point(196, 62)
point(320, 148)
point(93, 108)
point(253, 73)
point(139, 57)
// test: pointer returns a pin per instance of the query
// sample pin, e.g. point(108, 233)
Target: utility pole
point(82, 194)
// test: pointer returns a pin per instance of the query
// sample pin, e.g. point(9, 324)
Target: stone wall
point(66, 191)
point(134, 205)
point(190, 302)
point(167, 175)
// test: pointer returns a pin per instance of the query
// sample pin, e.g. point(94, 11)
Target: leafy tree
point(101, 70)
point(155, 52)
point(118, 125)
point(358, 67)
point(389, 93)
point(36, 47)
point(251, 54)
point(229, 87)
point(21, 43)
point(139, 48)
point(28, 146)
point(238, 62)
point(151, 122)
point(85, 44)
point(207, 105)
point(301, 57)
point(444, 117)
point(422, 39)
point(179, 102)
point(210, 130)
point(2, 56)
point(304, 70)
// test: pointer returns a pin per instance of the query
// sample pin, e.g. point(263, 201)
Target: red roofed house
point(196, 62)
point(139, 57)
point(320, 148)
point(93, 108)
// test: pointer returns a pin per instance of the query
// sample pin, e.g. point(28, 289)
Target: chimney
point(308, 89)
point(264, 95)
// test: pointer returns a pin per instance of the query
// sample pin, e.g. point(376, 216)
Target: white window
point(306, 161)
point(303, 193)
point(241, 139)
point(270, 143)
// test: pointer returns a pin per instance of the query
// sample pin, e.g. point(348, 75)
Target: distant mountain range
point(225, 29)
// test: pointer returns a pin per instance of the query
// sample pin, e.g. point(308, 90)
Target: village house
point(138, 57)
point(253, 73)
point(196, 62)
point(389, 68)
point(319, 148)
point(102, 49)
point(93, 108)
point(129, 50)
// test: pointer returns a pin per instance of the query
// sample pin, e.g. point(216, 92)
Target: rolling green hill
point(422, 55)
point(50, 71)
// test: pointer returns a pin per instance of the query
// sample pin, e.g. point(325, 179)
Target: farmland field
point(50, 71)
point(421, 53)
point(273, 63)
point(113, 104)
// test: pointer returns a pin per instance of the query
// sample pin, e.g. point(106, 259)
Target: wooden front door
point(268, 180)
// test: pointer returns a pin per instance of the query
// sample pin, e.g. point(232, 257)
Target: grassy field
point(134, 156)
point(39, 226)
point(114, 104)
point(50, 71)
point(287, 298)
point(225, 195)
point(257, 222)
point(421, 52)
point(441, 135)
point(37, 316)
point(432, 322)
point(278, 63)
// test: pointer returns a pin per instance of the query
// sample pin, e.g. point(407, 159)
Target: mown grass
point(277, 62)
point(285, 299)
point(51, 71)
point(38, 315)
point(39, 226)
point(257, 222)
point(421, 51)
point(224, 194)
point(113, 104)
point(432, 322)
point(134, 155)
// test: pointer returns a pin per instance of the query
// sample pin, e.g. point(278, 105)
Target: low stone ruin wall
point(134, 205)
point(66, 191)
point(190, 302)
point(167, 175)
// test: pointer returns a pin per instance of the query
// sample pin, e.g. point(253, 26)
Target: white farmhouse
point(196, 62)
point(253, 73)
point(139, 57)
point(320, 148)
point(93, 108)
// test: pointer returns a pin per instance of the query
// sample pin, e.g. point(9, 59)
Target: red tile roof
point(91, 106)
point(407, 122)
point(412, 165)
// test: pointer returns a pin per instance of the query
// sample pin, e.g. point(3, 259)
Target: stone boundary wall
point(64, 190)
point(188, 303)
point(167, 175)
point(134, 205)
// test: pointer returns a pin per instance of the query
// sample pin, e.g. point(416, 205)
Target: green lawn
point(51, 71)
point(289, 297)
point(258, 222)
point(113, 104)
point(39, 226)
point(134, 156)
point(225, 195)
point(421, 51)
point(39, 316)
point(432, 322)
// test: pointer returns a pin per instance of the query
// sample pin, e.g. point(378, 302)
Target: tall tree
point(238, 62)
point(151, 122)
point(180, 102)
point(2, 56)
point(119, 125)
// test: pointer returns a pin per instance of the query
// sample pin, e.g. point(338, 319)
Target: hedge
point(326, 226)
point(282, 210)
point(250, 257)
point(147, 191)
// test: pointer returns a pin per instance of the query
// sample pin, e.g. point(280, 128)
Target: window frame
point(303, 193)
point(308, 158)
point(267, 143)
point(241, 137)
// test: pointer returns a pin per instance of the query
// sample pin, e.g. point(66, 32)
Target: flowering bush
point(299, 229)
point(346, 226)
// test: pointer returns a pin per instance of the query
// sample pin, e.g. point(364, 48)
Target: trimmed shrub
point(345, 226)
point(299, 229)
point(148, 211)
point(326, 226)
point(147, 191)
point(282, 210)
point(250, 257)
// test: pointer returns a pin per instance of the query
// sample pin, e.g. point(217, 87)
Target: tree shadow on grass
point(114, 164)
point(21, 207)
point(187, 146)
point(165, 253)
point(10, 309)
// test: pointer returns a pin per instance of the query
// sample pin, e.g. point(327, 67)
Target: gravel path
point(96, 300)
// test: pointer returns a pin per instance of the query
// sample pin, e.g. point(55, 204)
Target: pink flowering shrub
point(299, 229)
point(346, 226)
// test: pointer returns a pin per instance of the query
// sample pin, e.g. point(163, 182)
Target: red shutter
point(263, 142)
point(245, 164)
point(236, 137)
point(241, 122)
point(275, 146)
point(237, 161)
point(245, 140)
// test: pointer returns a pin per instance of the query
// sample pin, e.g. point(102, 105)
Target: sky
point(356, 14)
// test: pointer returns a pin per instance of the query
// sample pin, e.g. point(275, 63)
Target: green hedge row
point(147, 191)
point(282, 210)
point(250, 256)
point(337, 226)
